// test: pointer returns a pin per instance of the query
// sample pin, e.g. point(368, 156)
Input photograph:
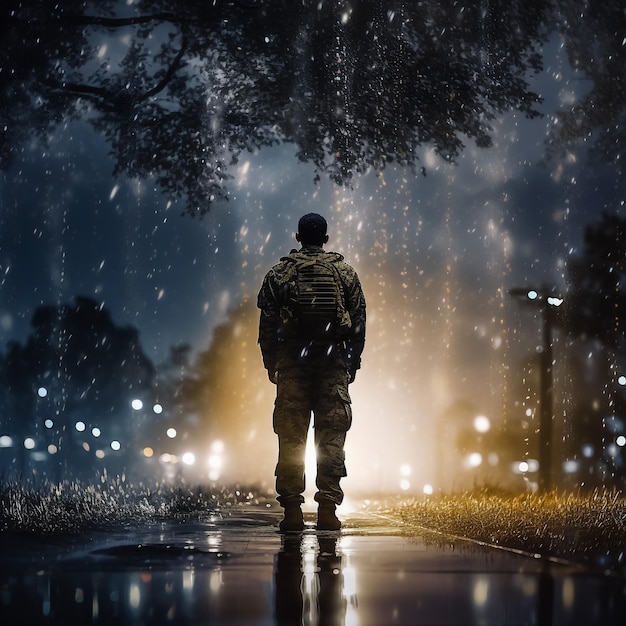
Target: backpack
point(316, 305)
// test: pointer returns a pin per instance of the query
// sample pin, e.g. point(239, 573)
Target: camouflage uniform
point(313, 376)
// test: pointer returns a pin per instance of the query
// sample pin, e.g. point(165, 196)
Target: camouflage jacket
point(279, 348)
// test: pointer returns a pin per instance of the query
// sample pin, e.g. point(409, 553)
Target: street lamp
point(546, 301)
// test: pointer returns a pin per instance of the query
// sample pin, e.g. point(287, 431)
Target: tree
point(229, 393)
point(353, 85)
point(593, 35)
point(76, 365)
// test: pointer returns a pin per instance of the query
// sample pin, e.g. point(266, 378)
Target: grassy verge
point(588, 529)
point(71, 507)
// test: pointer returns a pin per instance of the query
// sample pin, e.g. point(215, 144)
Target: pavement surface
point(237, 569)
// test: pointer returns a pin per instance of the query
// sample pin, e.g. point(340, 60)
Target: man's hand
point(273, 376)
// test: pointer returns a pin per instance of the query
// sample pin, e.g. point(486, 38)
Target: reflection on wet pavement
point(240, 570)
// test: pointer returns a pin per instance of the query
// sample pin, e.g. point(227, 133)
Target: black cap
point(312, 229)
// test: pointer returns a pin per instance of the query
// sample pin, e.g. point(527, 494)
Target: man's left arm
point(355, 341)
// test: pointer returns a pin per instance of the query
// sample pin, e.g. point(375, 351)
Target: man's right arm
point(269, 324)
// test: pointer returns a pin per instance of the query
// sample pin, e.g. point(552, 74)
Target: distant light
point(570, 466)
point(621, 441)
point(532, 294)
point(100, 454)
point(29, 443)
point(189, 458)
point(215, 461)
point(482, 423)
point(552, 301)
point(522, 467)
point(588, 450)
point(6, 441)
point(405, 470)
point(80, 426)
point(474, 459)
point(428, 490)
point(157, 408)
point(95, 431)
point(48, 423)
point(493, 459)
point(405, 484)
point(166, 457)
point(52, 449)
point(217, 447)
point(148, 452)
point(171, 433)
point(533, 465)
point(42, 392)
point(214, 475)
point(115, 445)
point(137, 404)
point(621, 380)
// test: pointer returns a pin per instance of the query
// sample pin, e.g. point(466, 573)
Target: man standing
point(311, 333)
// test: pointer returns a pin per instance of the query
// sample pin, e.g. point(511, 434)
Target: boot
point(326, 518)
point(293, 521)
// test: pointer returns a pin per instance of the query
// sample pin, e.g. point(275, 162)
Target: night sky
point(436, 254)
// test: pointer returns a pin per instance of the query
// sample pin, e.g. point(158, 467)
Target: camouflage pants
point(301, 391)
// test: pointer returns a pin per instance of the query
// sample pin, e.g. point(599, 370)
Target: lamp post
point(543, 299)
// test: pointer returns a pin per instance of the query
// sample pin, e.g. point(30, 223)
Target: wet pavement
point(237, 569)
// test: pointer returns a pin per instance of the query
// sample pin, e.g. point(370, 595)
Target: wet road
point(237, 569)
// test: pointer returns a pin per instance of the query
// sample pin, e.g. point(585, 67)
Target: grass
point(71, 507)
point(588, 529)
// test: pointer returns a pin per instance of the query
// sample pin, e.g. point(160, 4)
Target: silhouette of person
point(312, 368)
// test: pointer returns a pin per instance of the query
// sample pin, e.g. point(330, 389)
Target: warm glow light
point(29, 443)
point(482, 423)
point(474, 459)
point(189, 458)
point(310, 459)
point(405, 470)
point(428, 490)
point(6, 441)
point(217, 447)
point(215, 461)
point(523, 467)
point(405, 484)
point(52, 449)
point(148, 452)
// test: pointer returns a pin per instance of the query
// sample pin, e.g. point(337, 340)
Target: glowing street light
point(547, 302)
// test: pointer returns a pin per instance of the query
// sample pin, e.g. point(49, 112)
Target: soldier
point(311, 333)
